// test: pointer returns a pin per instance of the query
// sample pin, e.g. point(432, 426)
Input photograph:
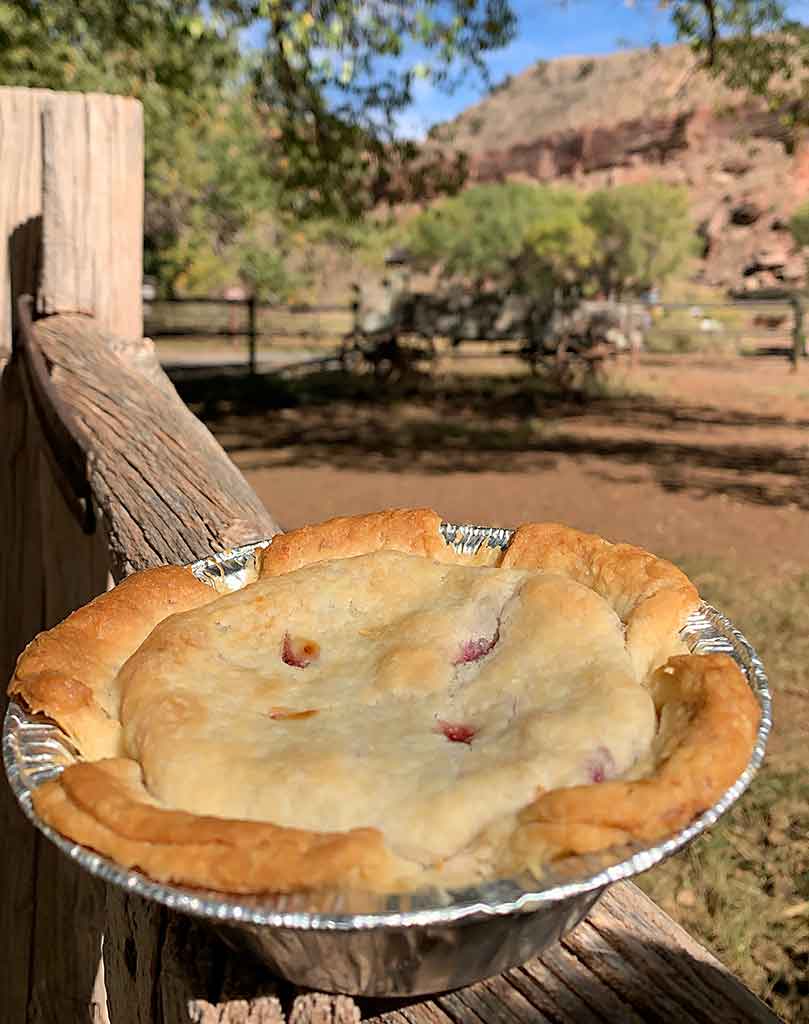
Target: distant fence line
point(174, 318)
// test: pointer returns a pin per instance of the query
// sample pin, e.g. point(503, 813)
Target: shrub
point(644, 234)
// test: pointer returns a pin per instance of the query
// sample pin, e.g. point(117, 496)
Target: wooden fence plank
point(165, 488)
point(166, 492)
point(653, 967)
point(92, 206)
point(50, 928)
point(20, 200)
point(627, 962)
point(19, 461)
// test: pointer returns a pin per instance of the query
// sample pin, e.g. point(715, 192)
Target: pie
point(379, 711)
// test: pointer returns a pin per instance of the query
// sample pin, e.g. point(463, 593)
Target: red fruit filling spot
point(456, 732)
point(277, 713)
point(600, 765)
point(475, 649)
point(297, 652)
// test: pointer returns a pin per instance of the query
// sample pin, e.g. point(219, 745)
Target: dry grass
point(743, 889)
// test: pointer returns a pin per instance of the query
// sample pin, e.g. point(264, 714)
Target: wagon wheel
point(564, 368)
point(350, 354)
point(596, 361)
point(421, 348)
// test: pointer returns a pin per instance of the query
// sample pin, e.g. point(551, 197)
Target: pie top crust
point(380, 711)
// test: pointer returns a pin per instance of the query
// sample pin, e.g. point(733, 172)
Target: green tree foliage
point(799, 225)
point(542, 240)
point(326, 81)
point(559, 249)
point(207, 185)
point(117, 46)
point(644, 234)
point(301, 124)
point(755, 45)
point(476, 234)
point(336, 73)
point(495, 232)
point(264, 269)
point(202, 159)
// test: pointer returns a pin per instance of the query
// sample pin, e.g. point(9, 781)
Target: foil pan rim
point(35, 749)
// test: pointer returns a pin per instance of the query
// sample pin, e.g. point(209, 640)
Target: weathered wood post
point(798, 334)
point(71, 195)
point(252, 331)
point(102, 470)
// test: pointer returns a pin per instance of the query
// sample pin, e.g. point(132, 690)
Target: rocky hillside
point(594, 121)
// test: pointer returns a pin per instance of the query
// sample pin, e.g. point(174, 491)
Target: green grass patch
point(743, 890)
point(771, 615)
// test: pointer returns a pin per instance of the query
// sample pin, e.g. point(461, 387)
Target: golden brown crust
point(650, 595)
point(105, 806)
point(411, 531)
point(69, 672)
point(538, 842)
point(708, 721)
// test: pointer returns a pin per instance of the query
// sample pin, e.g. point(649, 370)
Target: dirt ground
point(704, 459)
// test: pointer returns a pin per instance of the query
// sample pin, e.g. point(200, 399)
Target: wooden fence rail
point(774, 324)
point(244, 320)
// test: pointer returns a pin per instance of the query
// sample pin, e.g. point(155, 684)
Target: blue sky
point(546, 29)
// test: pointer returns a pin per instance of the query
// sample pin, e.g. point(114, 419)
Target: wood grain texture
point(166, 490)
point(51, 917)
point(626, 963)
point(39, 585)
point(317, 1008)
point(241, 1011)
point(20, 200)
point(92, 209)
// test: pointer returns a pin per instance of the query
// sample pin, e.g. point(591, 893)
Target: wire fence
point(194, 322)
point(206, 330)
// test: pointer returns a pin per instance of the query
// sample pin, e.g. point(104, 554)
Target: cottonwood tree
point(258, 105)
point(644, 235)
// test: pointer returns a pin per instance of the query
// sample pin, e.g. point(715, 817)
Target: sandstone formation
point(645, 114)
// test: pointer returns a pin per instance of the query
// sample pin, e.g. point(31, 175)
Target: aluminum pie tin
point(393, 944)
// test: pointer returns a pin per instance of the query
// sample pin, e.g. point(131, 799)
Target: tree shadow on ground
point(503, 424)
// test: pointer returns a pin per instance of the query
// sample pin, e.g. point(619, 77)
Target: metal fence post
point(798, 339)
point(251, 329)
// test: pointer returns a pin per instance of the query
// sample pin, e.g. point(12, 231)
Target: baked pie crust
point(379, 711)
